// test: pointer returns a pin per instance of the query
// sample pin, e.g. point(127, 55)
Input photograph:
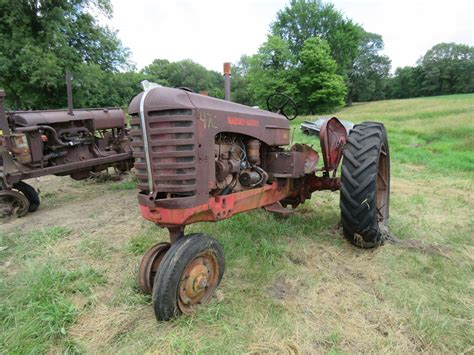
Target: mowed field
point(68, 272)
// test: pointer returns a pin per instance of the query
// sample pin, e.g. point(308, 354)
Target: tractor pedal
point(278, 209)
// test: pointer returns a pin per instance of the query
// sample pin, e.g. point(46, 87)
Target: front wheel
point(188, 276)
point(365, 185)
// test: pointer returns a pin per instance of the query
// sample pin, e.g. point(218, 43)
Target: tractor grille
point(172, 145)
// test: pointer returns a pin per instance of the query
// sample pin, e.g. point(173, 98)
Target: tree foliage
point(185, 73)
point(445, 69)
point(405, 83)
point(312, 80)
point(304, 19)
point(240, 91)
point(356, 52)
point(272, 70)
point(321, 88)
point(313, 53)
point(448, 68)
point(369, 71)
point(40, 39)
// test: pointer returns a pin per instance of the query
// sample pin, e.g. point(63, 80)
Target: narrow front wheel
point(188, 276)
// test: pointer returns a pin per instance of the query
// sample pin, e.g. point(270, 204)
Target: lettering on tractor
point(235, 121)
point(188, 173)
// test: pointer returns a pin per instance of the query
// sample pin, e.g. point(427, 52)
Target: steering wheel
point(277, 103)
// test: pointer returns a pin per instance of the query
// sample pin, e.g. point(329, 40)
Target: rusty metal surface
point(104, 118)
point(61, 142)
point(218, 208)
point(333, 136)
point(150, 264)
point(181, 129)
point(195, 171)
point(279, 210)
point(285, 164)
point(227, 73)
point(198, 282)
point(13, 203)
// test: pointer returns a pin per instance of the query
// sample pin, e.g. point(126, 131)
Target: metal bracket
point(279, 210)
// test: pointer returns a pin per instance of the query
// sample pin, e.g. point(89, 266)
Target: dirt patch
point(92, 210)
point(284, 288)
point(418, 245)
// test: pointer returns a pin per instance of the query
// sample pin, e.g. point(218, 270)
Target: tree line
point(313, 52)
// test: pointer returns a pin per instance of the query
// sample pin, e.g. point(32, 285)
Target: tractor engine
point(238, 164)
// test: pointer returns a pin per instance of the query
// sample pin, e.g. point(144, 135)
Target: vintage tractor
point(61, 142)
point(198, 159)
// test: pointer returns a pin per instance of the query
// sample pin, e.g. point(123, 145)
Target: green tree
point(448, 69)
point(303, 19)
point(240, 91)
point(40, 39)
point(272, 70)
point(356, 52)
point(185, 73)
point(405, 83)
point(321, 88)
point(312, 80)
point(94, 87)
point(369, 71)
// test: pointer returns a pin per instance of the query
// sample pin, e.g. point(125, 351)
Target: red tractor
point(199, 159)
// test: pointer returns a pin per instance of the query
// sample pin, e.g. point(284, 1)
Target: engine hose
point(97, 151)
point(228, 189)
point(46, 128)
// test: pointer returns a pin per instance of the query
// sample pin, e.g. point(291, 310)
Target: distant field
point(67, 272)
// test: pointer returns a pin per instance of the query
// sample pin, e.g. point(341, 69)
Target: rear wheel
point(30, 193)
point(365, 185)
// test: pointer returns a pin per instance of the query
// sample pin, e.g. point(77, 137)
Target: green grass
point(291, 285)
point(436, 132)
point(36, 299)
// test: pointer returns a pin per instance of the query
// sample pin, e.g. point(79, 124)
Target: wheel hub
point(13, 203)
point(198, 282)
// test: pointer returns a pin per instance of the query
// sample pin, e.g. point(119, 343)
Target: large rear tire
point(365, 185)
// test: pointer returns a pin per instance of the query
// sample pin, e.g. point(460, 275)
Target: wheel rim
point(198, 282)
point(13, 203)
point(383, 185)
point(149, 266)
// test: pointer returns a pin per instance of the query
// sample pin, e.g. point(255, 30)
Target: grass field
point(291, 286)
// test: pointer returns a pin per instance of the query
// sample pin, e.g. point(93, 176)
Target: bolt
point(203, 283)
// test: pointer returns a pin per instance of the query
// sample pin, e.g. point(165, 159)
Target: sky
point(211, 32)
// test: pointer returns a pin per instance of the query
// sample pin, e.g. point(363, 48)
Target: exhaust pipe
point(5, 133)
point(227, 81)
point(69, 93)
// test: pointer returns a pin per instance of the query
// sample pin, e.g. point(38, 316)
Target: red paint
point(217, 208)
point(333, 137)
